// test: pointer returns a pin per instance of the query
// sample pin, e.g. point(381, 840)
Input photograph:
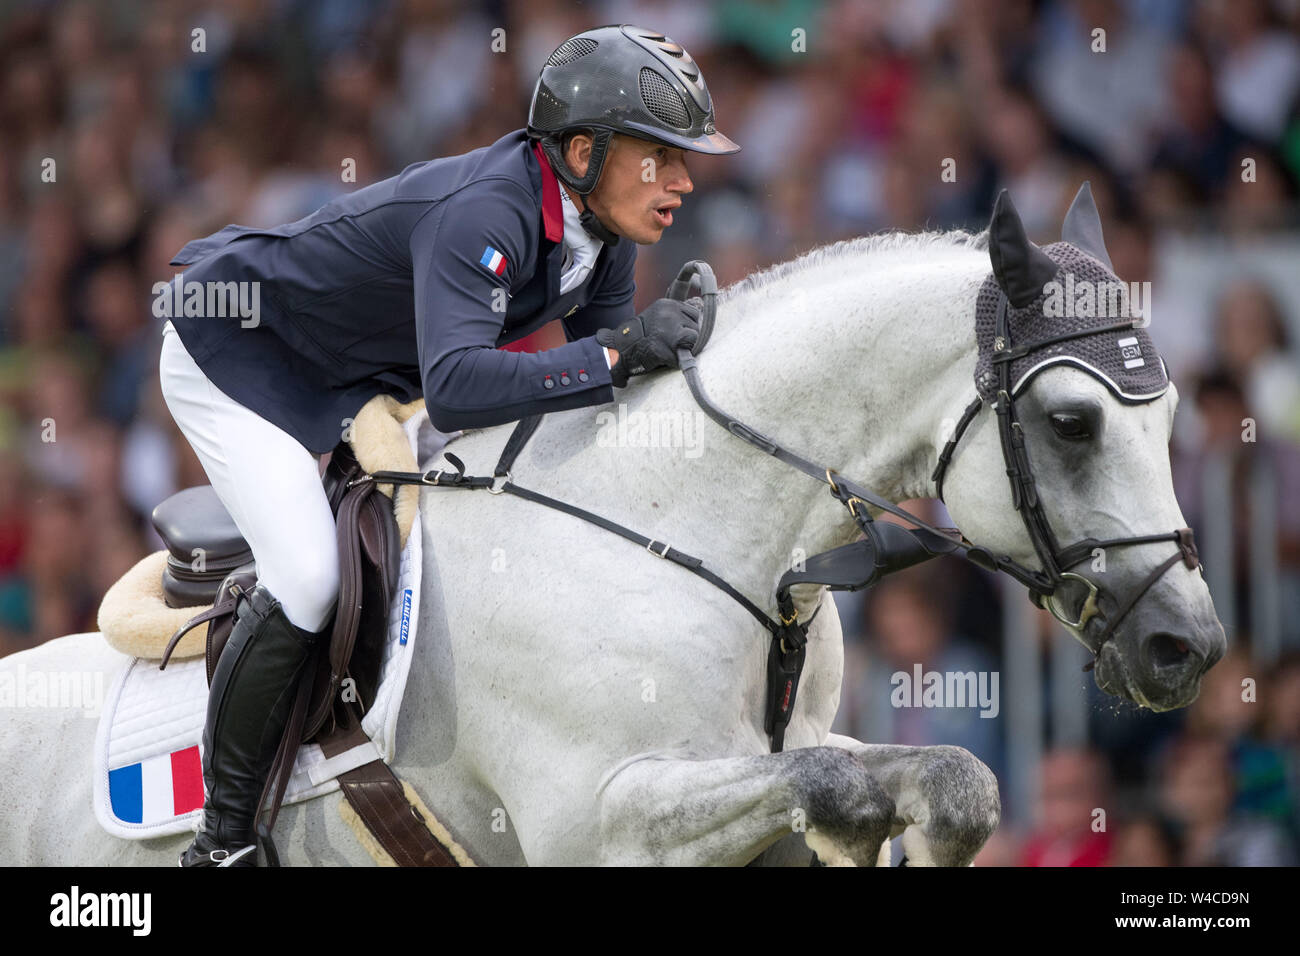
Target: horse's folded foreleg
point(947, 800)
point(727, 811)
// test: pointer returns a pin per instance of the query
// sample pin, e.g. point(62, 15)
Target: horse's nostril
point(1165, 650)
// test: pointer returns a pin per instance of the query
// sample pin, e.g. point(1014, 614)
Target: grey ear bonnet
point(1125, 361)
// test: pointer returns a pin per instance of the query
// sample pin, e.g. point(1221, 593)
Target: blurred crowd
point(128, 127)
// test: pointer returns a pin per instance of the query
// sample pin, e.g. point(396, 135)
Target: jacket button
point(564, 378)
point(548, 382)
point(583, 376)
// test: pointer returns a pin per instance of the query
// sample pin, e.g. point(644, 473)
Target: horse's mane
point(870, 248)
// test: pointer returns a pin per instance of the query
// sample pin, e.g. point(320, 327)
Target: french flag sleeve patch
point(494, 261)
point(157, 789)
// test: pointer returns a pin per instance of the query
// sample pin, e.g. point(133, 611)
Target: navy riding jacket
point(394, 288)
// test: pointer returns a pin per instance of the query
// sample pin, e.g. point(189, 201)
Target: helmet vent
point(571, 50)
point(664, 102)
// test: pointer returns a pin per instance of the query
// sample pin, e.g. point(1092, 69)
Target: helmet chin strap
point(593, 225)
point(585, 184)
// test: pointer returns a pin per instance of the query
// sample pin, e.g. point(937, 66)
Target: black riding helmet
point(620, 79)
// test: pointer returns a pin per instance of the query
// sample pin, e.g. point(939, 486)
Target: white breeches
point(268, 481)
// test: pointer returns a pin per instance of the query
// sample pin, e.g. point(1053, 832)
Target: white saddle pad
point(148, 778)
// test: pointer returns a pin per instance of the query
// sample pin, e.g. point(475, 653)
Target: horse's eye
point(1070, 426)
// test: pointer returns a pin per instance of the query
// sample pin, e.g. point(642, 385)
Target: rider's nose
point(682, 181)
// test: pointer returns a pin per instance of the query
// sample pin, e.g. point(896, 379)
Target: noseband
point(1043, 585)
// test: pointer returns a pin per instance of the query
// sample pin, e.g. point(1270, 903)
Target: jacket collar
point(552, 212)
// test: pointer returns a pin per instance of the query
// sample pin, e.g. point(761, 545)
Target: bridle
point(1043, 585)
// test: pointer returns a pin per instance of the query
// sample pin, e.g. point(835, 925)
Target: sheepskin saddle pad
point(138, 614)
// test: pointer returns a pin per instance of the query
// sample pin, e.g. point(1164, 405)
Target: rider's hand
point(651, 339)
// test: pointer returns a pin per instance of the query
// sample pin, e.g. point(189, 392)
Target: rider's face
point(640, 184)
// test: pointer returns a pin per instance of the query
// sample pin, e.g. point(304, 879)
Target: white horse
point(576, 700)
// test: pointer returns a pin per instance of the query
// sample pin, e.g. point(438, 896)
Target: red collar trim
point(552, 211)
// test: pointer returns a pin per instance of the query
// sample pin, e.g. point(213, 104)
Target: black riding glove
point(651, 339)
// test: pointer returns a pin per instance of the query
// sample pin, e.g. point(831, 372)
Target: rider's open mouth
point(664, 213)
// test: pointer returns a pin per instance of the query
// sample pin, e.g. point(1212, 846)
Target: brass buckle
point(650, 546)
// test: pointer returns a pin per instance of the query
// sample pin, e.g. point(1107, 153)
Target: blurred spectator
point(112, 309)
point(1105, 89)
point(1018, 137)
point(1002, 849)
point(1259, 196)
point(1252, 342)
point(1196, 141)
point(1258, 64)
point(1074, 786)
point(1282, 720)
point(1228, 461)
point(1149, 839)
point(1237, 699)
point(1198, 792)
point(907, 629)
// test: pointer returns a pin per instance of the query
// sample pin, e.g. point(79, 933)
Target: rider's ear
point(1082, 228)
point(577, 152)
point(1020, 267)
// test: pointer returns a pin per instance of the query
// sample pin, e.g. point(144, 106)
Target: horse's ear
point(1082, 228)
point(1020, 267)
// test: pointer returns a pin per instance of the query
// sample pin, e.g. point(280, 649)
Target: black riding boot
point(253, 690)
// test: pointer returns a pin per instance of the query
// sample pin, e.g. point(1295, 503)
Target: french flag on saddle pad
point(159, 788)
point(494, 260)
